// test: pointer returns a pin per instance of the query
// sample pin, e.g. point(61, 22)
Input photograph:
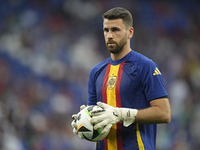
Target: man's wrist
point(128, 115)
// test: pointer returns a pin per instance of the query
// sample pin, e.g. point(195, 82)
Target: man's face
point(115, 34)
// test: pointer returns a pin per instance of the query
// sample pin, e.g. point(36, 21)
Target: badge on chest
point(111, 82)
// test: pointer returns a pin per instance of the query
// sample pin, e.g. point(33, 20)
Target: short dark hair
point(119, 13)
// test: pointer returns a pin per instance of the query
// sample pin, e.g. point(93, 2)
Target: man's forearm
point(155, 114)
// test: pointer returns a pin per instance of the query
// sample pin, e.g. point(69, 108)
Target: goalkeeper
point(130, 88)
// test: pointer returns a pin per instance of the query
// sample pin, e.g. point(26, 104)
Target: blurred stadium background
point(47, 48)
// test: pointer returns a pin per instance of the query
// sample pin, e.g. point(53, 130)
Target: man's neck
point(120, 55)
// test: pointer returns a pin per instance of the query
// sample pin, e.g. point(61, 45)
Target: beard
point(117, 47)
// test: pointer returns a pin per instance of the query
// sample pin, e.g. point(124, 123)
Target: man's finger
point(75, 131)
point(101, 124)
point(96, 112)
point(97, 119)
point(73, 124)
point(103, 105)
point(106, 129)
point(82, 107)
point(74, 117)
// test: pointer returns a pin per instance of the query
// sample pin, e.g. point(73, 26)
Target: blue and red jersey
point(131, 82)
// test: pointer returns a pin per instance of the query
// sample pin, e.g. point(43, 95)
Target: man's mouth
point(111, 43)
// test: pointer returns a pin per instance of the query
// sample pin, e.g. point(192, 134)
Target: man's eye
point(105, 30)
point(114, 29)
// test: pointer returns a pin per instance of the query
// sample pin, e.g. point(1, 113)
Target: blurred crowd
point(48, 47)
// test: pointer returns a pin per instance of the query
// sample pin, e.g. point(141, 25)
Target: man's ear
point(130, 32)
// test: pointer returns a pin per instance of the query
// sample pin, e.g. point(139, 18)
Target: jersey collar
point(121, 60)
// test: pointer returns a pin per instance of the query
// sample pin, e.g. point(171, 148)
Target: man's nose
point(110, 35)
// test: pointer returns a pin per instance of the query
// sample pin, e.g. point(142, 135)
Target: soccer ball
point(85, 128)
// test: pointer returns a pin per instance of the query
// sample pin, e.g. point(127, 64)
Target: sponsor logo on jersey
point(156, 72)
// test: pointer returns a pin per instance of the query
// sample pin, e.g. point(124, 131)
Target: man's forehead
point(109, 23)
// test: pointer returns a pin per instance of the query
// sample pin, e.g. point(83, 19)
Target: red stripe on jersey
point(118, 104)
point(104, 95)
point(104, 88)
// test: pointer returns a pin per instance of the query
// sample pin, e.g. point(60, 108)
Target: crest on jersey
point(111, 82)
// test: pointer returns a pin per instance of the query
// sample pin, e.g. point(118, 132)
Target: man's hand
point(105, 119)
point(74, 123)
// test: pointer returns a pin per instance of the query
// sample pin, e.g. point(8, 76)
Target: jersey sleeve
point(152, 81)
point(92, 97)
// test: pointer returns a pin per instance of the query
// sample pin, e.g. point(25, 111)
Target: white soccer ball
point(85, 128)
